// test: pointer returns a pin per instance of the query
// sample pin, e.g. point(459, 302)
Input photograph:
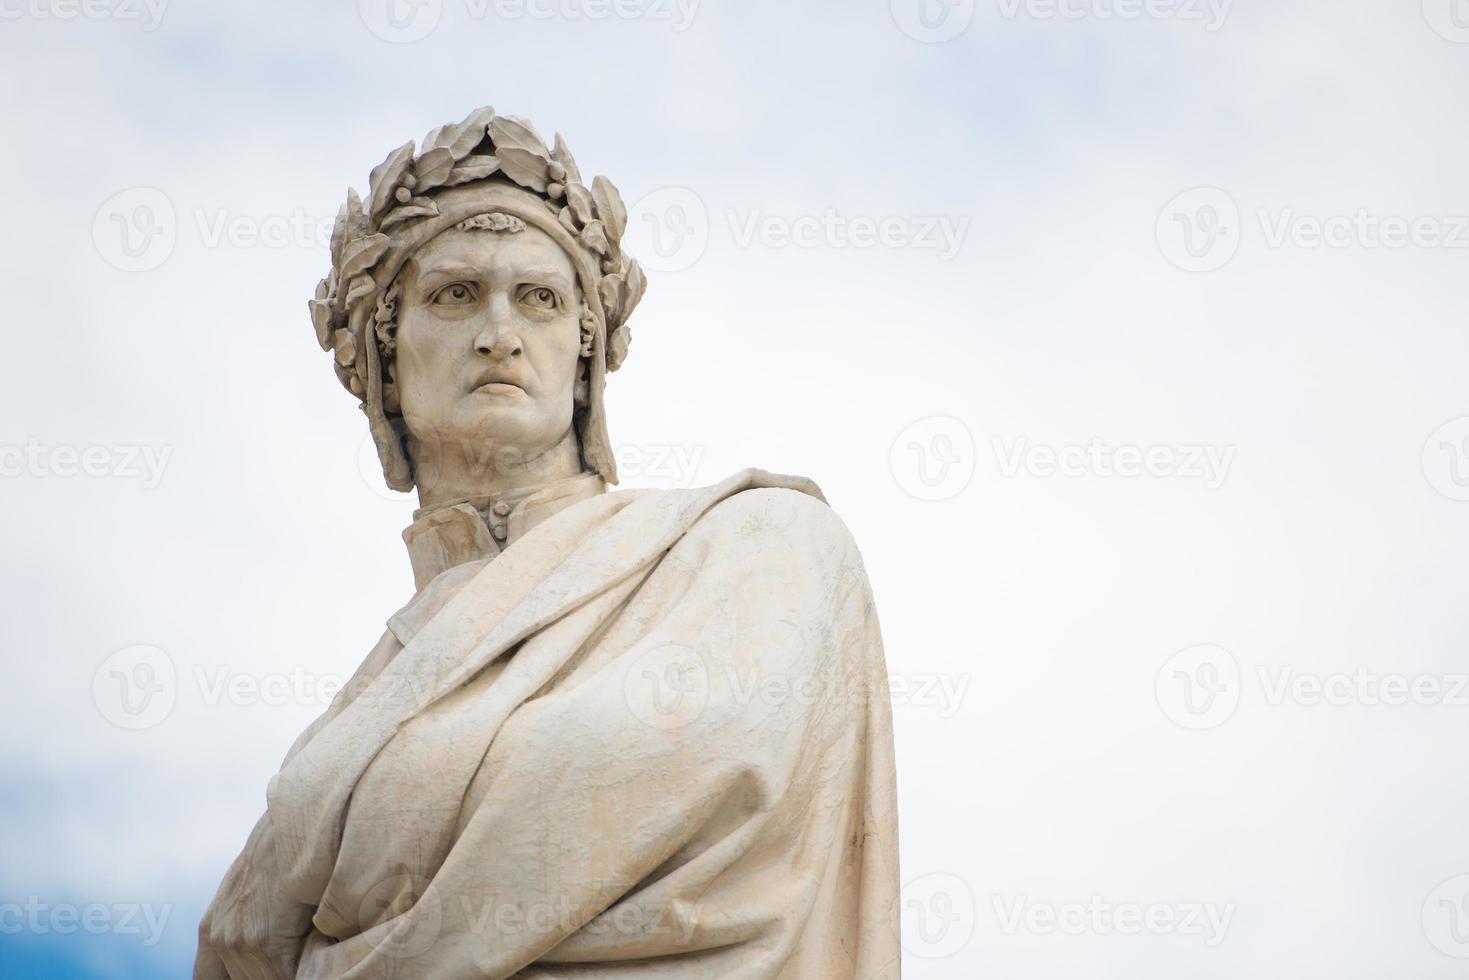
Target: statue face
point(488, 341)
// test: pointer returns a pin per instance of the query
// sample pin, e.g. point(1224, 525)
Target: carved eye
point(455, 294)
point(539, 298)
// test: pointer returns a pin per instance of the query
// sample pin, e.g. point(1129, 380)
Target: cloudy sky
point(1127, 336)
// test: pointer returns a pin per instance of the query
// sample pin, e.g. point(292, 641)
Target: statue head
point(477, 301)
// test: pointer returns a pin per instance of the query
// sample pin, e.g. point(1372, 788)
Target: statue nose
point(497, 338)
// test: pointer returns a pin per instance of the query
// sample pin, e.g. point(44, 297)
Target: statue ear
point(579, 391)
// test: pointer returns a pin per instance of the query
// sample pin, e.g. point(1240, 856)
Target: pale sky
point(967, 265)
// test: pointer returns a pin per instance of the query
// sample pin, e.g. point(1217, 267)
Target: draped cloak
point(652, 738)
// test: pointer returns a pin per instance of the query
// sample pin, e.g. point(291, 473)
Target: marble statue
point(642, 733)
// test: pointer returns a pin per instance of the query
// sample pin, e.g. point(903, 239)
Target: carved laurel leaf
point(418, 207)
point(519, 133)
point(386, 177)
point(359, 289)
point(617, 346)
point(435, 137)
point(346, 347)
point(362, 254)
point(339, 234)
point(471, 132)
point(632, 291)
point(610, 289)
point(351, 223)
point(563, 156)
point(433, 168)
point(580, 200)
point(470, 168)
point(321, 319)
point(610, 207)
point(595, 238)
point(568, 222)
point(526, 168)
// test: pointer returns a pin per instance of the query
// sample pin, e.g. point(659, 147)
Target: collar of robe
point(478, 528)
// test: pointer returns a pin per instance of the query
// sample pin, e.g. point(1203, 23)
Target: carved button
point(498, 531)
point(501, 509)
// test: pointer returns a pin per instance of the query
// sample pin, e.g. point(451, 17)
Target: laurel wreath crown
point(482, 147)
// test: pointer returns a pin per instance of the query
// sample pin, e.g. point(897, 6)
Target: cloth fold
point(650, 739)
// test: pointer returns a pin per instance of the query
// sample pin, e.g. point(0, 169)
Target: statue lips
point(499, 383)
